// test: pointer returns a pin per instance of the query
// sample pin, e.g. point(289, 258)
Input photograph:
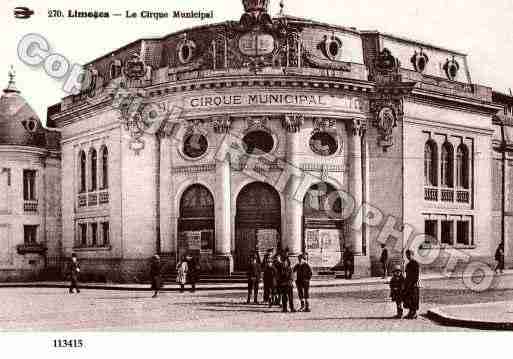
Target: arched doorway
point(258, 222)
point(323, 226)
point(196, 222)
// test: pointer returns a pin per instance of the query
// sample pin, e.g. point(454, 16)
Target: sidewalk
point(331, 283)
point(486, 316)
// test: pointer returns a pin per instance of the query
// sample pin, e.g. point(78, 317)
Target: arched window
point(82, 171)
point(105, 168)
point(447, 167)
point(462, 167)
point(94, 172)
point(430, 164)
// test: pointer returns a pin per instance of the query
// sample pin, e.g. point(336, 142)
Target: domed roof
point(19, 124)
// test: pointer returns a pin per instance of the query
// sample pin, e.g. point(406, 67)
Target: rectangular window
point(29, 185)
point(106, 233)
point(30, 234)
point(447, 232)
point(94, 234)
point(431, 230)
point(83, 234)
point(463, 233)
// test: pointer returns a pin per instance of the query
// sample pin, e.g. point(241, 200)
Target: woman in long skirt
point(182, 269)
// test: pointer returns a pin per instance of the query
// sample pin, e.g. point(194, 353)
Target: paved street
point(358, 308)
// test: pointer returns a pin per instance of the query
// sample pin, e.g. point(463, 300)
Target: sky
point(481, 29)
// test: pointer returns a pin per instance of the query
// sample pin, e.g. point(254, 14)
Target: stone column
point(356, 129)
point(223, 216)
point(292, 236)
point(166, 191)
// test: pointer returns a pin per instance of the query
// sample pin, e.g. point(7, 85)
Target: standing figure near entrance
point(384, 260)
point(193, 273)
point(253, 280)
point(155, 273)
point(411, 286)
point(396, 289)
point(303, 277)
point(348, 258)
point(270, 275)
point(286, 286)
point(182, 269)
point(74, 271)
point(499, 258)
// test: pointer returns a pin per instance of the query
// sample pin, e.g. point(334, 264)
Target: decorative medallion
point(195, 145)
point(323, 144)
point(186, 50)
point(331, 47)
point(134, 68)
point(258, 142)
point(385, 123)
point(451, 68)
point(90, 80)
point(115, 69)
point(419, 61)
point(292, 123)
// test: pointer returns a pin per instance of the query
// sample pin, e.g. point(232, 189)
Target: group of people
point(187, 272)
point(278, 277)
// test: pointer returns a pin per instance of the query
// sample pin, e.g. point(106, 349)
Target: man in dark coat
point(411, 286)
point(348, 258)
point(193, 272)
point(254, 271)
point(74, 270)
point(286, 286)
point(384, 260)
point(303, 277)
point(270, 275)
point(155, 273)
point(499, 257)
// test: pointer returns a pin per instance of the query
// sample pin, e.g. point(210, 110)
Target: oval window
point(323, 144)
point(195, 145)
point(258, 143)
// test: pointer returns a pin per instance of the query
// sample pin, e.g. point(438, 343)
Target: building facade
point(281, 133)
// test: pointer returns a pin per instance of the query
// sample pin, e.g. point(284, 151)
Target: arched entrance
point(258, 222)
point(196, 222)
point(323, 226)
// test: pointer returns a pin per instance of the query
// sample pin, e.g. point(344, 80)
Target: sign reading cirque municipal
point(213, 101)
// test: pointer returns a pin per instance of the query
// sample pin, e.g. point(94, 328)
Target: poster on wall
point(267, 239)
point(207, 242)
point(194, 241)
point(331, 249)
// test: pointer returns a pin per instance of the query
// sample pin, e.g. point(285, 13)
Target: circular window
point(258, 142)
point(323, 144)
point(195, 145)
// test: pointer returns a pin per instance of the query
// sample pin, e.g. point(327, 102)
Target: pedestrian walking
point(194, 272)
point(182, 269)
point(499, 257)
point(348, 259)
point(411, 286)
point(156, 275)
point(270, 275)
point(286, 286)
point(74, 271)
point(303, 277)
point(396, 289)
point(253, 280)
point(384, 260)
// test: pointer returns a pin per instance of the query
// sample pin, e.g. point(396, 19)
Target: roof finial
point(282, 8)
point(11, 87)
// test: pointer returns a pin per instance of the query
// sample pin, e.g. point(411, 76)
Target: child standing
point(303, 277)
point(396, 289)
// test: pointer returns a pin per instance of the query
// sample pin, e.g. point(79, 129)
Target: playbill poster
point(248, 178)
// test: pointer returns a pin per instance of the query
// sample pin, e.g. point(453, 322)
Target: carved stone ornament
point(186, 50)
point(386, 68)
point(135, 68)
point(254, 123)
point(357, 127)
point(292, 123)
point(324, 124)
point(451, 68)
point(221, 124)
point(385, 122)
point(331, 47)
point(419, 61)
point(90, 81)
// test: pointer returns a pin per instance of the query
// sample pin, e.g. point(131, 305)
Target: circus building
point(279, 133)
